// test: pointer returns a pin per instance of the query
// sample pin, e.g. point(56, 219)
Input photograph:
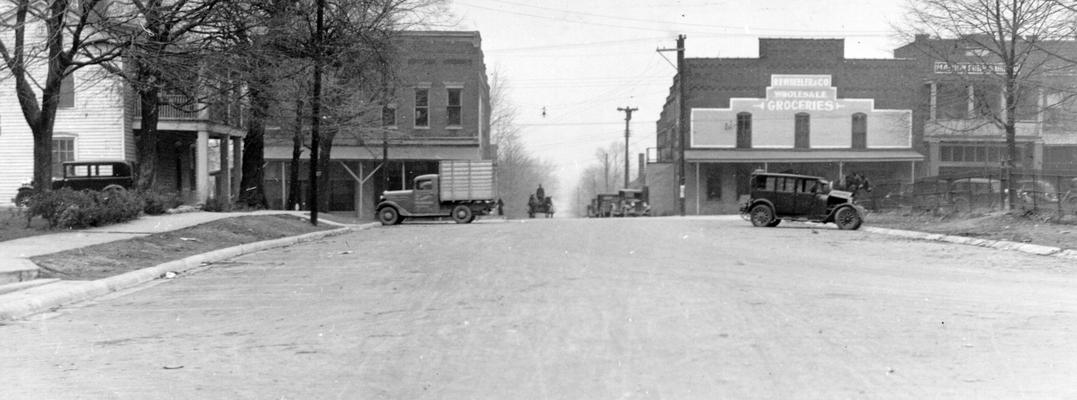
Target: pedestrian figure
point(500, 205)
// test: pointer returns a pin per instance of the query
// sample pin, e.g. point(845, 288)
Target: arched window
point(860, 131)
point(802, 131)
point(744, 130)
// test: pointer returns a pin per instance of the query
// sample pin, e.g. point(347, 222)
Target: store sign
point(800, 93)
point(772, 118)
point(969, 68)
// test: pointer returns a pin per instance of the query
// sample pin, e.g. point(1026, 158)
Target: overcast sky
point(582, 59)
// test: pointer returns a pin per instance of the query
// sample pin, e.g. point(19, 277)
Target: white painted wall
point(96, 122)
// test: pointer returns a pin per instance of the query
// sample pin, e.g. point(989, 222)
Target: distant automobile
point(1036, 191)
point(775, 197)
point(96, 175)
point(103, 175)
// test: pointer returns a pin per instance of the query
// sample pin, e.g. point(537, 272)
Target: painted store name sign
point(800, 93)
point(969, 68)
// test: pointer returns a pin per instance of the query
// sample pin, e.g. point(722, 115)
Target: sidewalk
point(15, 264)
point(22, 295)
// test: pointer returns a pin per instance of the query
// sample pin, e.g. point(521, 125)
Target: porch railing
point(178, 108)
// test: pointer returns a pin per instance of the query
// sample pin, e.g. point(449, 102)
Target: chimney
point(922, 37)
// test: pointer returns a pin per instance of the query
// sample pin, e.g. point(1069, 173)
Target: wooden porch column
point(201, 169)
point(237, 167)
point(224, 187)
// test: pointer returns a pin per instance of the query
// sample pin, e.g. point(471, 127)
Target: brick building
point(960, 87)
point(801, 106)
point(440, 111)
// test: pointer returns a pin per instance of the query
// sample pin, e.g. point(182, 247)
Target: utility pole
point(628, 118)
point(682, 121)
point(682, 116)
point(316, 114)
point(606, 175)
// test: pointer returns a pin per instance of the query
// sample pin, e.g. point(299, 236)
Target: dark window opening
point(802, 130)
point(860, 131)
point(744, 130)
point(453, 110)
point(422, 107)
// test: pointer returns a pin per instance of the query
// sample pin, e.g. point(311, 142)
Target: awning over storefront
point(764, 155)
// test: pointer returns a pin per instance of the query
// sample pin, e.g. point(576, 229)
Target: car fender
point(754, 202)
point(399, 210)
point(859, 210)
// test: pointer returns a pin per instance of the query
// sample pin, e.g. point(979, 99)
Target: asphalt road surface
point(657, 308)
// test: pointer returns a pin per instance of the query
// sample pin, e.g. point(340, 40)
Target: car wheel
point(462, 214)
point(389, 216)
point(774, 223)
point(762, 215)
point(848, 218)
point(22, 197)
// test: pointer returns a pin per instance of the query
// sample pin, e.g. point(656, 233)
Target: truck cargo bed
point(466, 180)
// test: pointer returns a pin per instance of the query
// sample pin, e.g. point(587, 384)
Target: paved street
point(659, 308)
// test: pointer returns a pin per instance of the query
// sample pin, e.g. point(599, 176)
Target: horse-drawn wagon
point(540, 203)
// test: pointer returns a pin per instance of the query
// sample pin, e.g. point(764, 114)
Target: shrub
point(157, 203)
point(67, 208)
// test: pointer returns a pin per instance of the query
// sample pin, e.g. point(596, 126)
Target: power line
point(727, 30)
point(777, 30)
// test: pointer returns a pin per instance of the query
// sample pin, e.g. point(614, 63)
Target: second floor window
point(860, 131)
point(452, 110)
point(802, 131)
point(63, 149)
point(388, 116)
point(67, 91)
point(744, 130)
point(422, 108)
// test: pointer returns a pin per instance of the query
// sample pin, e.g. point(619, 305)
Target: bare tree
point(609, 159)
point(167, 43)
point(1021, 47)
point(40, 63)
point(518, 172)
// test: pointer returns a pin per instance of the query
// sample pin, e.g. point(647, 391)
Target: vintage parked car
point(775, 197)
point(1031, 191)
point(106, 175)
point(955, 193)
point(96, 175)
point(633, 203)
point(603, 205)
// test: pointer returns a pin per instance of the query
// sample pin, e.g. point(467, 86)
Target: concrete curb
point(72, 294)
point(994, 244)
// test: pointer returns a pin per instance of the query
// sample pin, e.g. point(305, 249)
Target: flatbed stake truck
point(461, 190)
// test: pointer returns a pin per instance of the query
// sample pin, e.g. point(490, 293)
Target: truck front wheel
point(388, 216)
point(462, 214)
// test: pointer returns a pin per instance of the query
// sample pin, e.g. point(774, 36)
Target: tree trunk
point(43, 156)
point(252, 185)
point(146, 140)
point(1011, 136)
point(324, 161)
point(294, 188)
